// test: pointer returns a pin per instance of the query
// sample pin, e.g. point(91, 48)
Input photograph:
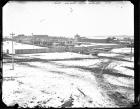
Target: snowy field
point(68, 80)
point(7, 45)
point(57, 55)
point(120, 52)
point(123, 50)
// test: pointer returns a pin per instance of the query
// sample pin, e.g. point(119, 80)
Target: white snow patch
point(121, 67)
point(108, 54)
point(85, 62)
point(63, 55)
point(122, 50)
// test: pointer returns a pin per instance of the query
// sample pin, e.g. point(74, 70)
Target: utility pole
point(33, 40)
point(131, 50)
point(12, 34)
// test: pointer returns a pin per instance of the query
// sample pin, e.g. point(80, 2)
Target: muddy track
point(110, 89)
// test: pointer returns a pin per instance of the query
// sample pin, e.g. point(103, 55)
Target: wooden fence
point(88, 50)
point(42, 50)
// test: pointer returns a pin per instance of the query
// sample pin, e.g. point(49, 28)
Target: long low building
point(7, 47)
point(20, 48)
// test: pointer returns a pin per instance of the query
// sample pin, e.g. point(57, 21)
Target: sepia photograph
point(68, 54)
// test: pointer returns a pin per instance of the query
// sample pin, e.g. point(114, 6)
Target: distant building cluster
point(44, 40)
point(78, 38)
point(77, 44)
point(53, 41)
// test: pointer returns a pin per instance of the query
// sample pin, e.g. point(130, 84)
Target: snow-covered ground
point(119, 52)
point(123, 67)
point(108, 54)
point(51, 86)
point(57, 55)
point(123, 50)
point(64, 81)
point(7, 45)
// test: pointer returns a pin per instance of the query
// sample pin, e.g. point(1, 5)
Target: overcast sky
point(67, 19)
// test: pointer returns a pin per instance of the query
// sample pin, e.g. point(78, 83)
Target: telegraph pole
point(33, 40)
point(12, 34)
point(131, 50)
